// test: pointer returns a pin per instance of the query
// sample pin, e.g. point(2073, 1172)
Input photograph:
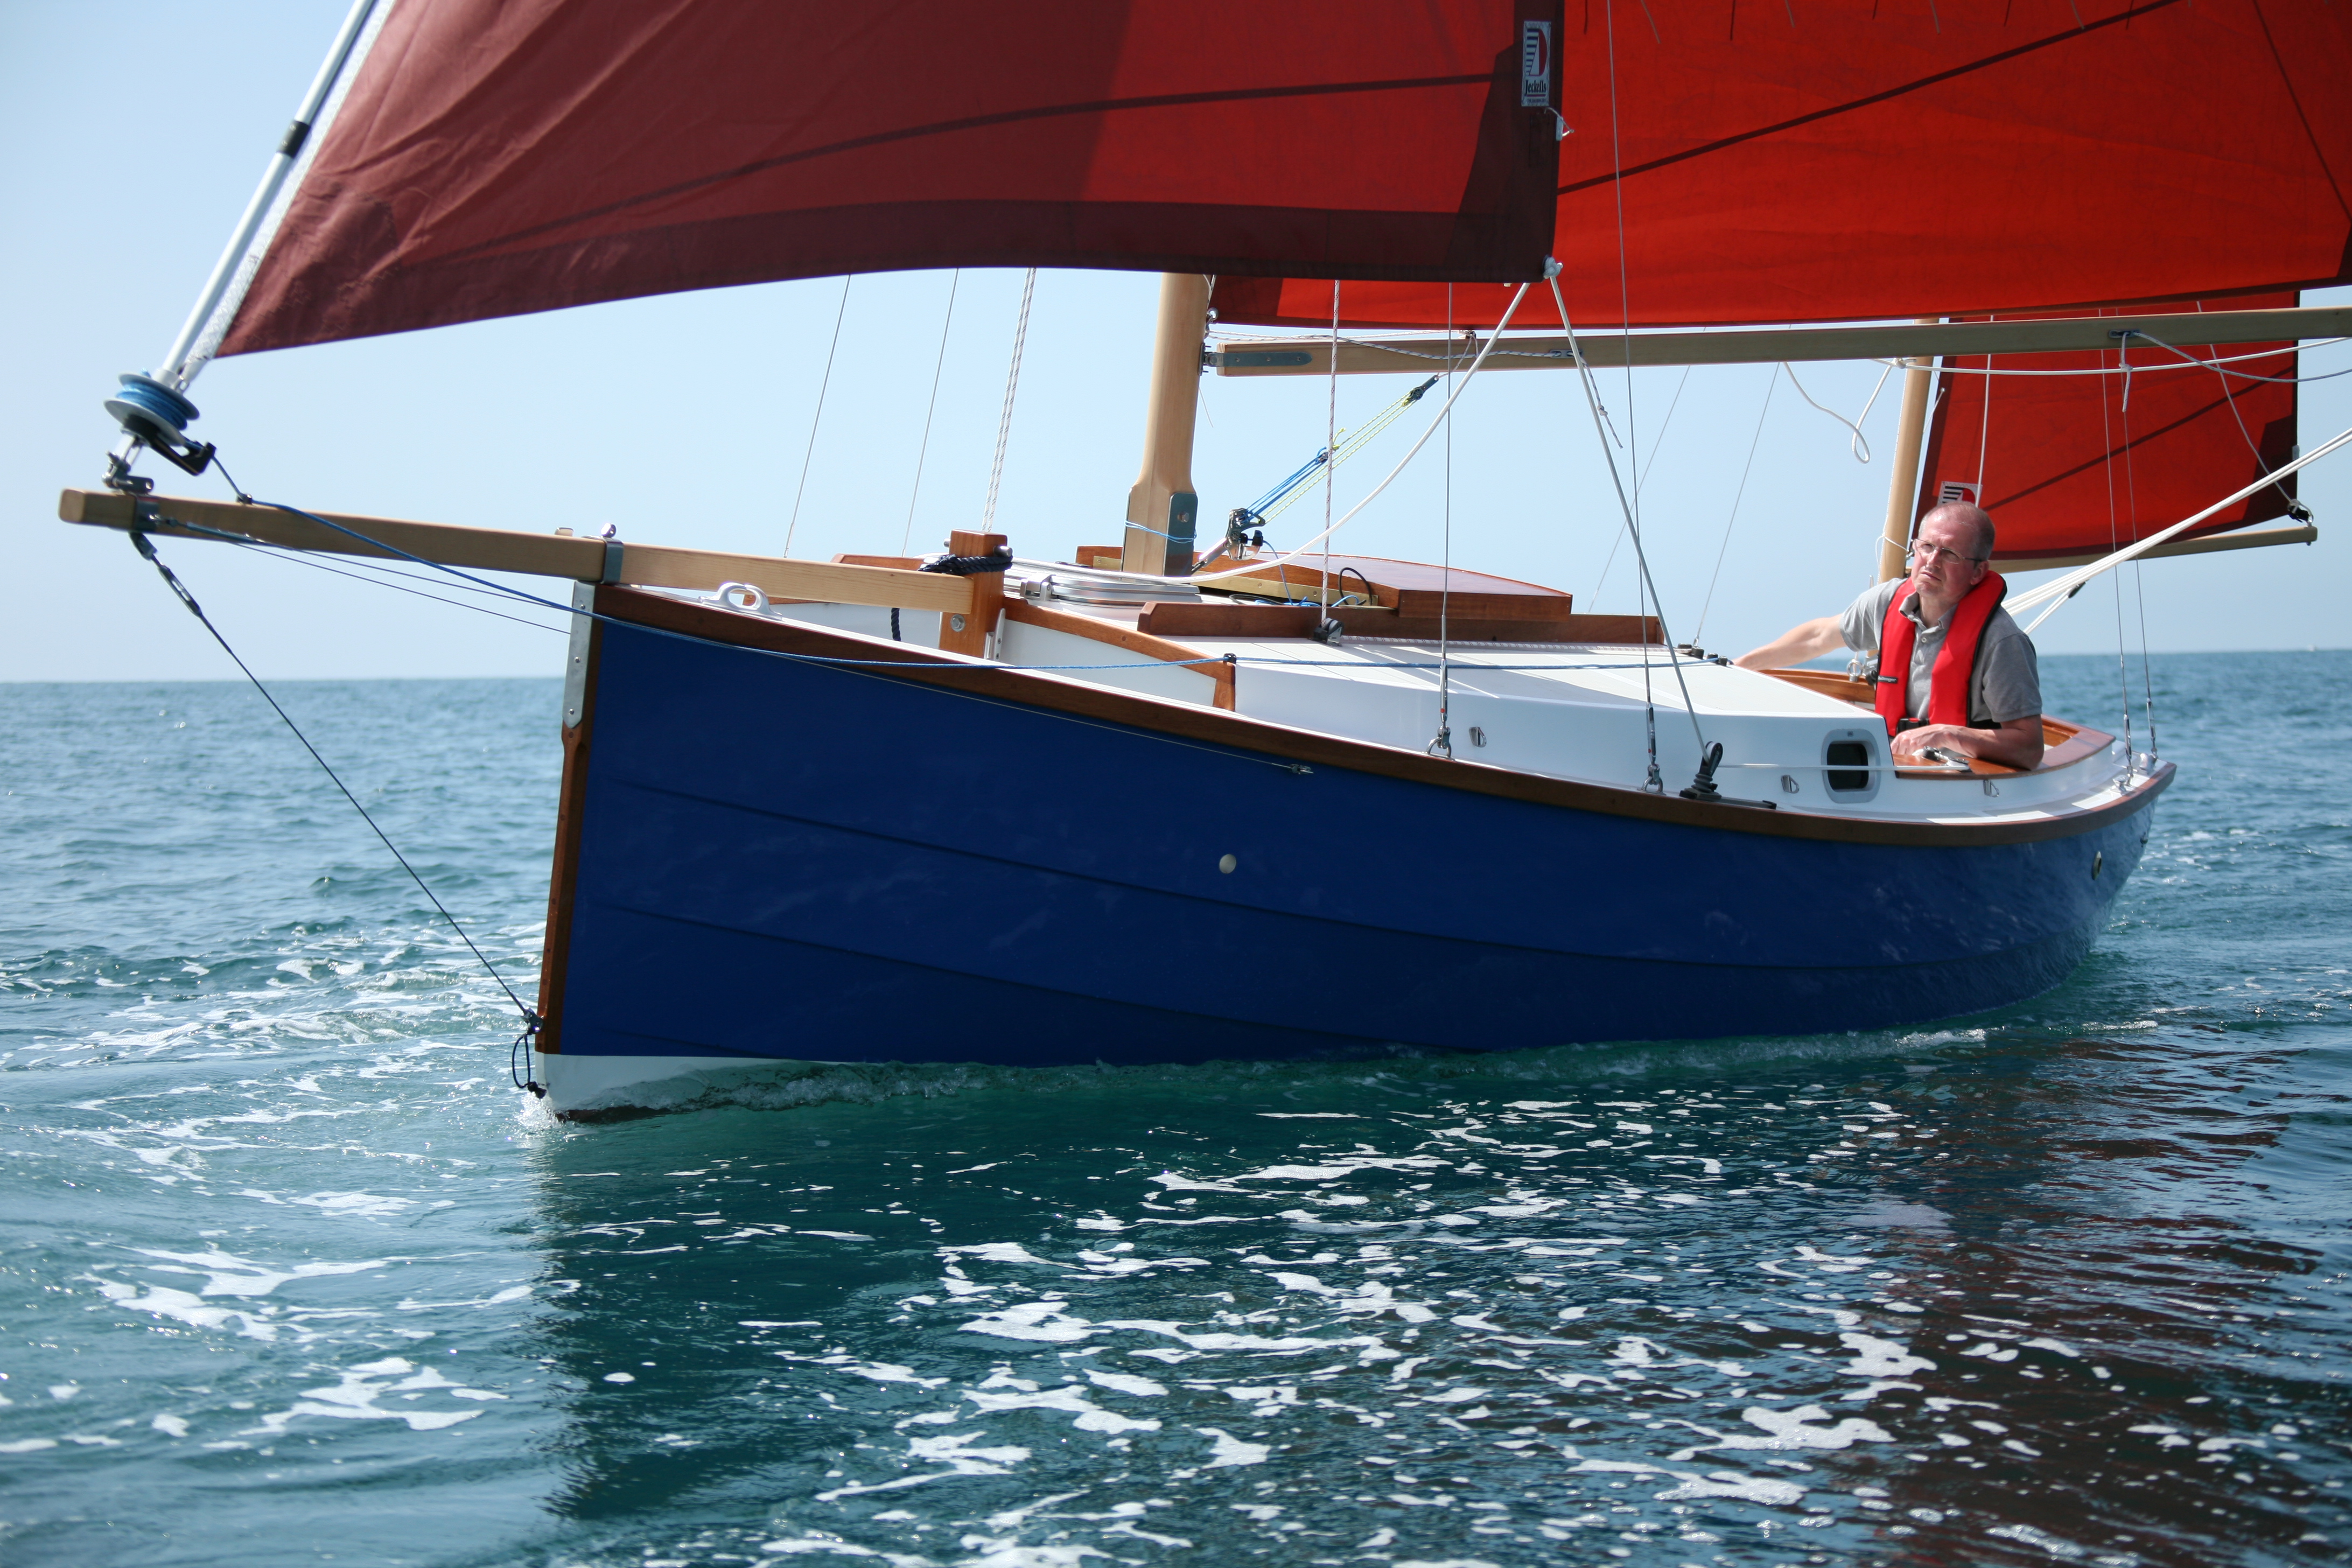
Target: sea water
point(292, 1274)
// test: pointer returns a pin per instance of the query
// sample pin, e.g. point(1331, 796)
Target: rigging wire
point(2229, 396)
point(1012, 385)
point(1659, 439)
point(868, 668)
point(1443, 746)
point(531, 1019)
point(2122, 674)
point(2052, 594)
point(1319, 468)
point(2131, 491)
point(924, 450)
point(1331, 442)
point(1100, 574)
point(818, 418)
point(299, 557)
point(1656, 783)
point(1754, 441)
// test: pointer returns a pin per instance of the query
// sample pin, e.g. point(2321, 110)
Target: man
point(1971, 685)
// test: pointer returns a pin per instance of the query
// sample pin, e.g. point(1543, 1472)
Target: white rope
point(2188, 361)
point(2060, 590)
point(1860, 443)
point(1259, 568)
point(1004, 420)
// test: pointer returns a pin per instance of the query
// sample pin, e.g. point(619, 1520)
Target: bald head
point(1968, 516)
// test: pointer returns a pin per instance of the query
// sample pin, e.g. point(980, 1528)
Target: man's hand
point(2017, 743)
point(1795, 646)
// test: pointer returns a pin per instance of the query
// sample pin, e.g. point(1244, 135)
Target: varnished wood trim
point(1828, 682)
point(1132, 641)
point(1426, 603)
point(1210, 618)
point(2065, 743)
point(563, 879)
point(969, 632)
point(1191, 721)
point(1365, 621)
point(531, 554)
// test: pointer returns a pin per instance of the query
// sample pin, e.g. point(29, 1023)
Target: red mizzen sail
point(2069, 465)
point(495, 157)
point(1825, 159)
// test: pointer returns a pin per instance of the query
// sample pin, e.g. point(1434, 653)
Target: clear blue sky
point(134, 133)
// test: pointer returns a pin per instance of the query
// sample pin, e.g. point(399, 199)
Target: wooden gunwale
point(2067, 744)
point(1192, 722)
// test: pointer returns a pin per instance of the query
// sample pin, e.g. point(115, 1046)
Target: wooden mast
point(1903, 482)
point(1162, 508)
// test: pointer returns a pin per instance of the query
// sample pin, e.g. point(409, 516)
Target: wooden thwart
point(530, 554)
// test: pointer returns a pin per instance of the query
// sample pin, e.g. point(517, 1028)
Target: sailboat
point(917, 809)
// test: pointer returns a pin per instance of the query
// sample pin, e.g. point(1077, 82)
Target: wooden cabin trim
point(1210, 726)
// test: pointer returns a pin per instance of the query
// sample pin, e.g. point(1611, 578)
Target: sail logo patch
point(1956, 491)
point(1534, 64)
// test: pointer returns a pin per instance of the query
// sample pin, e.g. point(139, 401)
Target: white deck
point(1560, 710)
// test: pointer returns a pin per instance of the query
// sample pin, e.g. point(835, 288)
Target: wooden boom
point(1396, 356)
point(530, 554)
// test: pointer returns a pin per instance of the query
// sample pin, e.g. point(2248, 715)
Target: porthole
point(1852, 763)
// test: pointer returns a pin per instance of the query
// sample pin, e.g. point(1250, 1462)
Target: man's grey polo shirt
point(2007, 680)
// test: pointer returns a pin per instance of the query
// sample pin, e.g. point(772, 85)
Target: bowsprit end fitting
point(154, 412)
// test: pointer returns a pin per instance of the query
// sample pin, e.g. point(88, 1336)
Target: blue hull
point(775, 860)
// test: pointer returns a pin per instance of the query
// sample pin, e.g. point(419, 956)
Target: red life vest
point(1956, 662)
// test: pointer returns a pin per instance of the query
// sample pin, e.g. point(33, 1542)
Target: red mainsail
point(496, 157)
point(2077, 464)
point(1828, 160)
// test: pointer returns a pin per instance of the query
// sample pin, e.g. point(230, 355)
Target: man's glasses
point(1921, 551)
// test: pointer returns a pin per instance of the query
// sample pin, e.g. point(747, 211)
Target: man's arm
point(1796, 645)
point(2017, 743)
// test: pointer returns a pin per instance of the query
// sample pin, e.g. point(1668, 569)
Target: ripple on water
point(2066, 1284)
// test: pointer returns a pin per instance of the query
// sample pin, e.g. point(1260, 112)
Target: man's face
point(1941, 562)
